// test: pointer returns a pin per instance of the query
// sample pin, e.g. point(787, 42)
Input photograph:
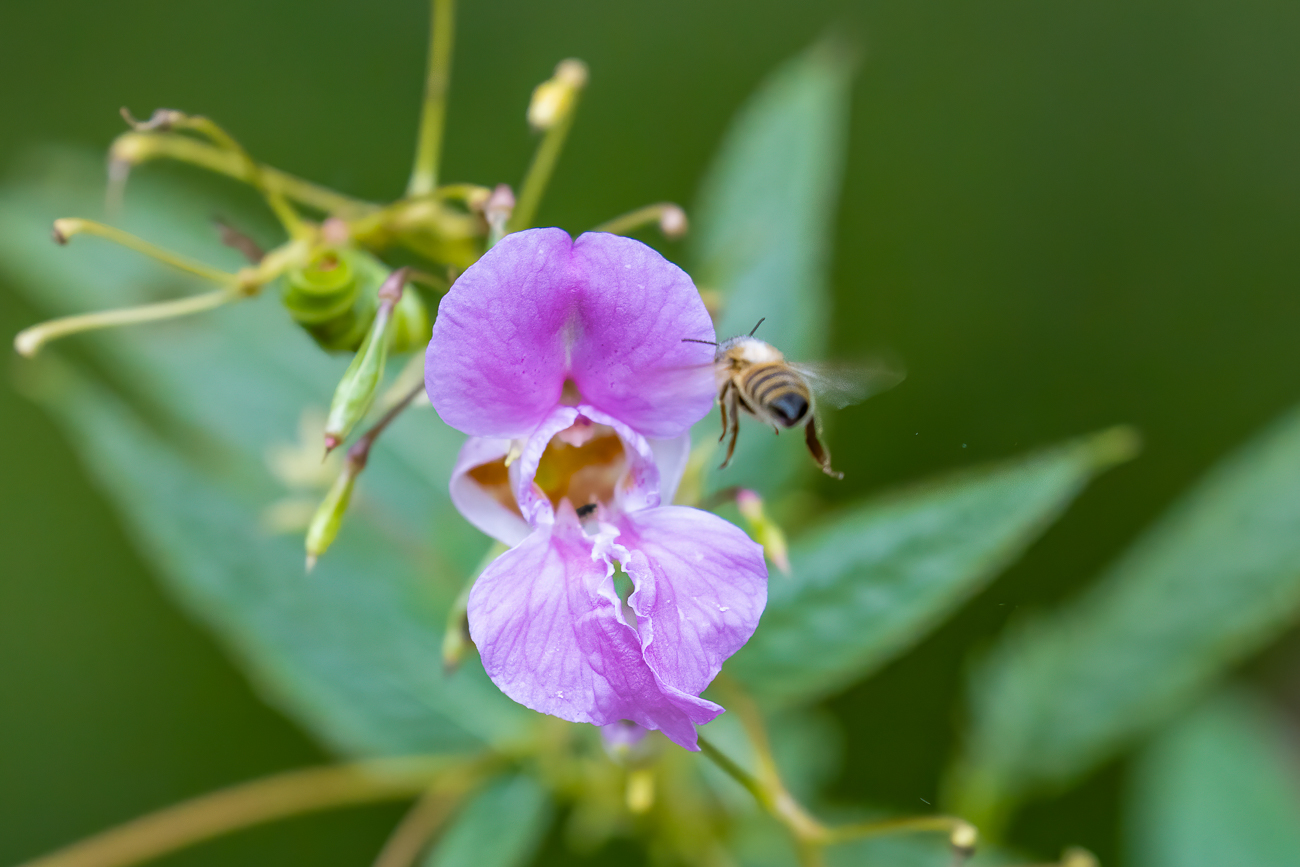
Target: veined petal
point(480, 503)
point(497, 359)
point(608, 312)
point(630, 360)
point(701, 586)
point(545, 617)
point(671, 457)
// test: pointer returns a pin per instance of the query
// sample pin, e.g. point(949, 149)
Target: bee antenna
point(693, 340)
point(755, 328)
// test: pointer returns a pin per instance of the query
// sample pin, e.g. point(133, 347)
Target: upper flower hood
point(604, 312)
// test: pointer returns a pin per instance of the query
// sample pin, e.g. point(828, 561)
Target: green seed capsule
point(334, 298)
point(356, 390)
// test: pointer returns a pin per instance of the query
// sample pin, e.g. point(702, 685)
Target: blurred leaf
point(879, 577)
point(763, 227)
point(501, 827)
point(1219, 787)
point(1216, 578)
point(174, 421)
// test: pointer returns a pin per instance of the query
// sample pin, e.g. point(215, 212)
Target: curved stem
point(428, 150)
point(670, 218)
point(133, 148)
point(30, 340)
point(275, 797)
point(67, 227)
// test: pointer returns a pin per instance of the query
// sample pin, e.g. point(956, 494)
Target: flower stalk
point(428, 150)
point(254, 803)
point(810, 834)
point(669, 217)
point(551, 111)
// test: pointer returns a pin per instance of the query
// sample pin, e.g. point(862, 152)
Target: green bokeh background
point(1060, 214)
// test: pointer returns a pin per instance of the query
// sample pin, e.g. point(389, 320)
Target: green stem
point(433, 116)
point(29, 341)
point(67, 227)
point(133, 148)
point(540, 170)
point(276, 797)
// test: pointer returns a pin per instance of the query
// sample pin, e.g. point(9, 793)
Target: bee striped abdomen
point(777, 391)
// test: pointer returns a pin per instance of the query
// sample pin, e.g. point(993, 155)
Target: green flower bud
point(325, 523)
point(356, 390)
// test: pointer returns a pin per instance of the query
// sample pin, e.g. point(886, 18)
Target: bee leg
point(722, 403)
point(735, 428)
point(819, 452)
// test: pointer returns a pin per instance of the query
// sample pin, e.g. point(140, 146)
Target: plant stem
point(275, 797)
point(428, 149)
point(29, 341)
point(133, 148)
point(67, 227)
point(543, 165)
point(670, 218)
point(420, 823)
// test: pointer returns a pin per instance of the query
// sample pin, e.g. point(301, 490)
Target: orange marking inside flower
point(582, 463)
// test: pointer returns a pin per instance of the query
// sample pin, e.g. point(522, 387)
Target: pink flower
point(564, 362)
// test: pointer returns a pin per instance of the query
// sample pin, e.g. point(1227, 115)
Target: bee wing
point(838, 384)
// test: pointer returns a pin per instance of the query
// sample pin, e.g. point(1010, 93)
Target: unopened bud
point(673, 222)
point(356, 390)
point(161, 120)
point(764, 530)
point(553, 98)
point(497, 210)
point(963, 839)
point(1076, 856)
point(456, 642)
point(325, 523)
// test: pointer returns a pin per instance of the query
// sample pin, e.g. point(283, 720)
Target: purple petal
point(630, 360)
point(671, 457)
point(701, 585)
point(479, 506)
point(606, 311)
point(496, 363)
point(546, 620)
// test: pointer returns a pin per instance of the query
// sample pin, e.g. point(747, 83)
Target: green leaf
point(763, 227)
point(1215, 579)
point(879, 577)
point(174, 421)
point(501, 827)
point(1219, 787)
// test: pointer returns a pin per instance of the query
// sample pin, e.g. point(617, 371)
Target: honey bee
point(753, 376)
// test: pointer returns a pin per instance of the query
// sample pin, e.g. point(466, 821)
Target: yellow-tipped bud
point(764, 530)
point(553, 99)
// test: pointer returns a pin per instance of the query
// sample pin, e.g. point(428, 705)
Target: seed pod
point(329, 514)
point(356, 390)
point(765, 531)
point(334, 298)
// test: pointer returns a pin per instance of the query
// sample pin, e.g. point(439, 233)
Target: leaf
point(174, 420)
point(879, 577)
point(501, 827)
point(1221, 786)
point(1215, 579)
point(763, 227)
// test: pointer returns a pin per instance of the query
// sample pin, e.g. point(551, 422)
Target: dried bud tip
point(335, 232)
point(963, 839)
point(57, 235)
point(673, 222)
point(161, 120)
point(331, 443)
point(391, 289)
point(501, 201)
point(311, 563)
